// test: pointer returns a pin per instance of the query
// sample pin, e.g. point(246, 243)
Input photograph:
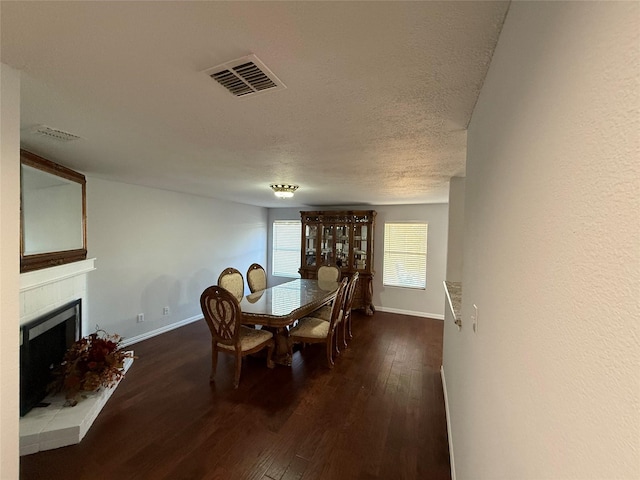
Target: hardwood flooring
point(379, 414)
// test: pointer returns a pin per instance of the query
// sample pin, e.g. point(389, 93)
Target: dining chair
point(348, 304)
point(256, 278)
point(315, 330)
point(328, 273)
point(324, 313)
point(232, 280)
point(222, 313)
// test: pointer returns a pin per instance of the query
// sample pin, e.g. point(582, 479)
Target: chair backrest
point(232, 280)
point(338, 304)
point(351, 293)
point(328, 273)
point(256, 278)
point(222, 313)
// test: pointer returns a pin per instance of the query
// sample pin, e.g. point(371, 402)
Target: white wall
point(156, 248)
point(9, 269)
point(549, 387)
point(429, 302)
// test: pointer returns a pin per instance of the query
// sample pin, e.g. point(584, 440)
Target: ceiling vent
point(246, 76)
point(54, 134)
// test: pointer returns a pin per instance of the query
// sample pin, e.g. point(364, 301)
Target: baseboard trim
point(446, 411)
point(412, 313)
point(153, 333)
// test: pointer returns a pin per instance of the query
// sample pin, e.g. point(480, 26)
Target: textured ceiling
point(378, 97)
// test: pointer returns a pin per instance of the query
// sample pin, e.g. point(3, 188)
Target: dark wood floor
point(379, 414)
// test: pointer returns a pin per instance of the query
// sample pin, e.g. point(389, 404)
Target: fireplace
point(43, 343)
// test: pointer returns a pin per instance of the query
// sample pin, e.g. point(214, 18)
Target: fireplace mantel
point(46, 276)
point(44, 290)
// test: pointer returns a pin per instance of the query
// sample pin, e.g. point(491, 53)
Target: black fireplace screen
point(43, 343)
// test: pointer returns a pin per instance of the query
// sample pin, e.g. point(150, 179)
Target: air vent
point(246, 76)
point(54, 134)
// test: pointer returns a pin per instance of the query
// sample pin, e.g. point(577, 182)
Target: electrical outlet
point(165, 311)
point(140, 318)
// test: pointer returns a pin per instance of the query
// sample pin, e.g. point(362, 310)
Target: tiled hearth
point(55, 426)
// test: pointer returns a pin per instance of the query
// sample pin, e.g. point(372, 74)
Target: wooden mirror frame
point(51, 259)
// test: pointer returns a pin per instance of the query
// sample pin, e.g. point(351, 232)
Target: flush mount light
point(284, 191)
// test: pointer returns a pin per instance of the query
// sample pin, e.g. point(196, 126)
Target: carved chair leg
point(330, 351)
point(214, 361)
point(349, 328)
point(344, 332)
point(236, 381)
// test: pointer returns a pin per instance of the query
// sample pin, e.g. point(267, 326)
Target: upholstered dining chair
point(348, 304)
point(328, 273)
point(316, 330)
point(324, 313)
point(231, 279)
point(256, 278)
point(222, 313)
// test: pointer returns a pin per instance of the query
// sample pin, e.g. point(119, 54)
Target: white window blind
point(286, 248)
point(405, 255)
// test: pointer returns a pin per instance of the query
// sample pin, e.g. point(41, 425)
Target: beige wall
point(9, 268)
point(549, 387)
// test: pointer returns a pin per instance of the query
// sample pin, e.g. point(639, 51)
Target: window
point(286, 248)
point(405, 255)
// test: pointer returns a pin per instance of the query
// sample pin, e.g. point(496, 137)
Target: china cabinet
point(343, 239)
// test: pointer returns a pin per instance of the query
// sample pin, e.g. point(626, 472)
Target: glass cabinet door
point(327, 252)
point(310, 243)
point(360, 247)
point(342, 246)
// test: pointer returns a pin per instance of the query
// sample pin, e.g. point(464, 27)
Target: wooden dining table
point(277, 308)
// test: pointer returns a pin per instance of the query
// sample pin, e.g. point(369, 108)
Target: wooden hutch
point(343, 239)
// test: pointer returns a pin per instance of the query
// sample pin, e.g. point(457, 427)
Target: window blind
point(405, 255)
point(286, 248)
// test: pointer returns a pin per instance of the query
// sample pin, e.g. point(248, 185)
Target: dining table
point(279, 307)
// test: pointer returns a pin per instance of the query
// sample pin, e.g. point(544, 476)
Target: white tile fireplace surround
point(42, 291)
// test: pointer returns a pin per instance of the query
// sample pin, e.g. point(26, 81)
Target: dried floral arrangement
point(90, 363)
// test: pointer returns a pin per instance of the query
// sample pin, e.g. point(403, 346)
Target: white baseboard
point(446, 411)
point(167, 328)
point(437, 316)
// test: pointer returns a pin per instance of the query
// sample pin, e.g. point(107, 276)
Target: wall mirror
point(52, 214)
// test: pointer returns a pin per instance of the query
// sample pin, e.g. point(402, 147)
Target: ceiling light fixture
point(284, 191)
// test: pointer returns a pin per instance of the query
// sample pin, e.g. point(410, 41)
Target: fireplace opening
point(43, 343)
